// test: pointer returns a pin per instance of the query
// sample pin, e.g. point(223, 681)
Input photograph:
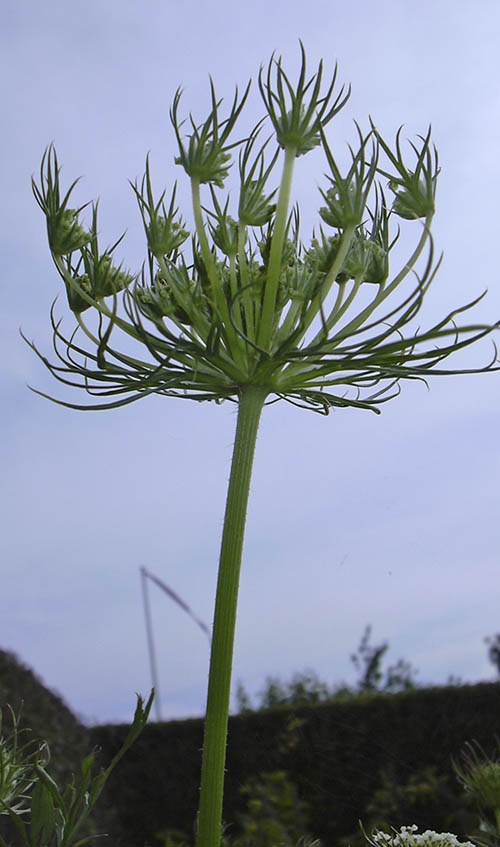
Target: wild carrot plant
point(240, 309)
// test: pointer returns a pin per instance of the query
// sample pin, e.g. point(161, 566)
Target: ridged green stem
point(219, 301)
point(215, 735)
point(247, 298)
point(273, 270)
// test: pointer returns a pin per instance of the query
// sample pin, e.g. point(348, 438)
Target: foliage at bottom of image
point(25, 699)
point(41, 814)
point(34, 810)
point(274, 816)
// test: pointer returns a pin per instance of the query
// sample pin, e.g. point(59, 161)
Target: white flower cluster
point(408, 837)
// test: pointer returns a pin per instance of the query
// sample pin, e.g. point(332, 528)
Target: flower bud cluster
point(366, 259)
point(255, 209)
point(321, 255)
point(347, 197)
point(412, 199)
point(225, 235)
point(208, 163)
point(298, 283)
point(298, 119)
point(158, 300)
point(414, 190)
point(65, 234)
point(165, 236)
point(105, 278)
point(100, 279)
point(206, 158)
point(164, 233)
point(94, 273)
point(76, 302)
point(224, 230)
point(293, 130)
point(342, 209)
point(288, 250)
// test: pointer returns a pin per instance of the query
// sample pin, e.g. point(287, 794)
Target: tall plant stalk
point(250, 312)
point(221, 657)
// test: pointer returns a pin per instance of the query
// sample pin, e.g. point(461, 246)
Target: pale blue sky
point(353, 519)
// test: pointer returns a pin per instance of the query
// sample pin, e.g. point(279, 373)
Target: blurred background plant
point(274, 815)
point(480, 777)
point(425, 797)
point(493, 643)
point(305, 687)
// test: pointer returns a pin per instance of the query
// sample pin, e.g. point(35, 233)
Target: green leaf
point(42, 815)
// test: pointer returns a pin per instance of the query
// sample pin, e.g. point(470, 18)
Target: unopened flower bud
point(254, 207)
point(65, 233)
point(76, 302)
point(413, 200)
point(366, 259)
point(225, 235)
point(164, 236)
point(209, 163)
point(321, 256)
point(342, 207)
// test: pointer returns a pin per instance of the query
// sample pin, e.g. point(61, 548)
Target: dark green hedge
point(334, 753)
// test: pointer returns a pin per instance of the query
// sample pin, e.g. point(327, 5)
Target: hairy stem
point(215, 735)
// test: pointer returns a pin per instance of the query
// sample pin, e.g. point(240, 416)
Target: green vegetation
point(47, 716)
point(306, 687)
point(39, 812)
